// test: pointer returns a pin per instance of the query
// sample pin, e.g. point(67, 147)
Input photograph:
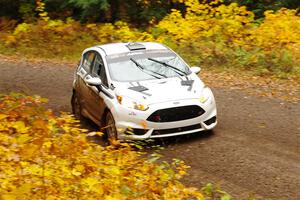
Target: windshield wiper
point(143, 69)
point(178, 71)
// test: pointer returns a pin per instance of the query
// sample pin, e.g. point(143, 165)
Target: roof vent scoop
point(132, 46)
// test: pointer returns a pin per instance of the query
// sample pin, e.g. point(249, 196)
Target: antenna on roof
point(132, 46)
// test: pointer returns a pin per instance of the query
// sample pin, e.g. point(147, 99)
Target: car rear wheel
point(111, 130)
point(76, 107)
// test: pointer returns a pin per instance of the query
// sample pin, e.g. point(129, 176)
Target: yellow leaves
point(23, 190)
point(24, 138)
point(13, 157)
point(111, 198)
point(221, 33)
point(29, 151)
point(202, 20)
point(279, 28)
point(94, 133)
point(47, 144)
point(122, 32)
point(114, 170)
point(34, 169)
point(8, 197)
point(21, 28)
point(10, 41)
point(91, 26)
point(53, 24)
point(75, 172)
point(208, 32)
point(79, 168)
point(40, 8)
point(92, 185)
point(20, 127)
point(40, 124)
point(2, 116)
point(17, 193)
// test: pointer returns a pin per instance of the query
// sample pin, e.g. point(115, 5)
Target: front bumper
point(129, 119)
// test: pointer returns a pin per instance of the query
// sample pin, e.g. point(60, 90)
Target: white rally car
point(140, 91)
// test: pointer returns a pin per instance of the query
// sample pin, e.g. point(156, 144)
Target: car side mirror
point(95, 81)
point(195, 69)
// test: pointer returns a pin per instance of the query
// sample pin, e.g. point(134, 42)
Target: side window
point(97, 66)
point(103, 76)
point(88, 60)
point(99, 70)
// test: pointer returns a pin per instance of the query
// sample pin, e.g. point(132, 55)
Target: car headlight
point(206, 93)
point(130, 103)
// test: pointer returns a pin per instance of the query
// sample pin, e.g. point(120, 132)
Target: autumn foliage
point(211, 34)
point(215, 34)
point(43, 156)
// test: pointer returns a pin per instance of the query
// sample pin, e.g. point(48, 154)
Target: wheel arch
point(103, 118)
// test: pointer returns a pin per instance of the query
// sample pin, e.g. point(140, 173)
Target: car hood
point(161, 90)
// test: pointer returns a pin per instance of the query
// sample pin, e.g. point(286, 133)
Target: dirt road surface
point(255, 148)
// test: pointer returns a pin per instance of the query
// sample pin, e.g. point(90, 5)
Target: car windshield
point(139, 66)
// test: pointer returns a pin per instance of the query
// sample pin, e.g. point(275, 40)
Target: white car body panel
point(162, 90)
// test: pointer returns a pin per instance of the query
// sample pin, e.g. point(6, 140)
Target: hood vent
point(135, 46)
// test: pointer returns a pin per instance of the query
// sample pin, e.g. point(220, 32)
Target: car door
point(94, 102)
point(82, 72)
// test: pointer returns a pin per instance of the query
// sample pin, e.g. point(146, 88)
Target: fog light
point(211, 121)
point(136, 131)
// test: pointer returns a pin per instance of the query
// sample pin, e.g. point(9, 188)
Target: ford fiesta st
point(140, 91)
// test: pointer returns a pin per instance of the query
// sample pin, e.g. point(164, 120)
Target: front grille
point(176, 114)
point(175, 130)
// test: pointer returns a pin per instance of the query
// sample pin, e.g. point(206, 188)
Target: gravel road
point(255, 148)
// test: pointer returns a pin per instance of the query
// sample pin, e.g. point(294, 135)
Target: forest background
point(262, 36)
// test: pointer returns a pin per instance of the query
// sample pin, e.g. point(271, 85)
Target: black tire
point(76, 107)
point(111, 131)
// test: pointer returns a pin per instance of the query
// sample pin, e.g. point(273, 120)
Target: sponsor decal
point(132, 113)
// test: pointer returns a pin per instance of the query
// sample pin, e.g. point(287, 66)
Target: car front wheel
point(111, 130)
